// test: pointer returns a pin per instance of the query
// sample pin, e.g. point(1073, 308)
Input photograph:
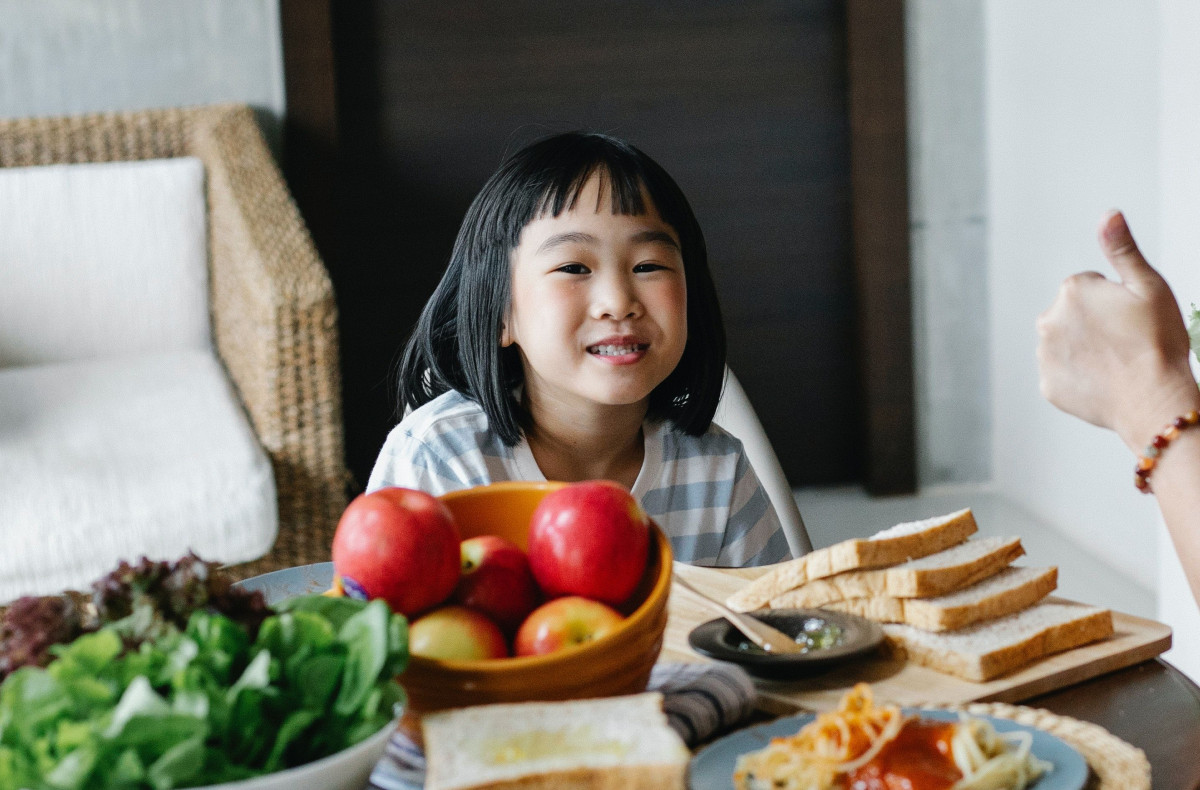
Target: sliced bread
point(594, 744)
point(889, 547)
point(983, 651)
point(1010, 590)
point(936, 574)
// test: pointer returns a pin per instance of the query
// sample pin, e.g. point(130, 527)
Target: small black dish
point(720, 640)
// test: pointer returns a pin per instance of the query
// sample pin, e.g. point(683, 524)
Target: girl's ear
point(506, 339)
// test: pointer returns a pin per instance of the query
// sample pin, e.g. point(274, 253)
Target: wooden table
point(1123, 688)
point(1151, 705)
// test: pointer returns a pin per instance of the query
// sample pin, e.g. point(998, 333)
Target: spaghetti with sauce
point(863, 747)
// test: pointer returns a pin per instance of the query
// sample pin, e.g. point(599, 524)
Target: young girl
point(576, 335)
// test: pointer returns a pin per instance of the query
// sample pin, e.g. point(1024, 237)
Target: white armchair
point(168, 351)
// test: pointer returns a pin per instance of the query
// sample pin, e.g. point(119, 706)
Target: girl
point(576, 335)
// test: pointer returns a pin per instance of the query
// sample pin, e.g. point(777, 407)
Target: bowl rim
point(658, 592)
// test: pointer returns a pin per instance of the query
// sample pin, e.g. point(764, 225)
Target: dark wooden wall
point(749, 105)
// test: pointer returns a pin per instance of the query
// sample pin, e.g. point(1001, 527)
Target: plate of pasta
point(861, 746)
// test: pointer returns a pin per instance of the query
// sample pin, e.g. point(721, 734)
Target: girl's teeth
point(613, 351)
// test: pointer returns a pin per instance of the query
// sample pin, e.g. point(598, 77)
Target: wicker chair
point(273, 314)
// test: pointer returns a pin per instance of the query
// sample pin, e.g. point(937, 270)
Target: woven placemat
point(1115, 764)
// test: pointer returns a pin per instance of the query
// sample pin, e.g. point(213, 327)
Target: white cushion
point(99, 259)
point(141, 455)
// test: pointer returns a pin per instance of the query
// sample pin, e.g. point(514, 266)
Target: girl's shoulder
point(715, 441)
point(450, 412)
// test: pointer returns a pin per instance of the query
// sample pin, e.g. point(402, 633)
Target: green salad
point(154, 700)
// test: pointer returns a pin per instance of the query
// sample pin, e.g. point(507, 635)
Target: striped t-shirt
point(700, 489)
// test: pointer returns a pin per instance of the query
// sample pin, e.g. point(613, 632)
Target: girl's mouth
point(610, 350)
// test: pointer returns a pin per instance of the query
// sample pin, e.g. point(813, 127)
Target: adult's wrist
point(1171, 399)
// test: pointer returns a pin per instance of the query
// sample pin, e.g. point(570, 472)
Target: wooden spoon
point(769, 639)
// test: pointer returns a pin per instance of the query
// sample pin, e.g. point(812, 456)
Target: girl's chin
point(620, 401)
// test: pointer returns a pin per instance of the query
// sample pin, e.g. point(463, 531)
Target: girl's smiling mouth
point(619, 349)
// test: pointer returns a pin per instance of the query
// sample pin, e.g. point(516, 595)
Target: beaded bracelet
point(1149, 457)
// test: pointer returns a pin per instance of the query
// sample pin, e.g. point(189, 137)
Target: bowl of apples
point(514, 591)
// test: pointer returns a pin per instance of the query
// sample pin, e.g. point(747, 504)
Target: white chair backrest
point(736, 415)
point(102, 259)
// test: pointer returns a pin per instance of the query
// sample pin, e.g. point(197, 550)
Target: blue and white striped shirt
point(700, 489)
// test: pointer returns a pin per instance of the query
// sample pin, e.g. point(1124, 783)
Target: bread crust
point(905, 580)
point(878, 551)
point(939, 651)
point(948, 612)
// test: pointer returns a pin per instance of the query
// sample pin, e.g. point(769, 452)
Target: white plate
point(712, 768)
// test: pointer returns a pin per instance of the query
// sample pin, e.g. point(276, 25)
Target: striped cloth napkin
point(701, 700)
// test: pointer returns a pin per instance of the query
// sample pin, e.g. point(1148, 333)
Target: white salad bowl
point(348, 769)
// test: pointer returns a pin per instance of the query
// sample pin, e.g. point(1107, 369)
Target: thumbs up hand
point(1115, 353)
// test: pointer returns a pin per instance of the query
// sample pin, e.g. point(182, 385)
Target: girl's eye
point(648, 267)
point(572, 268)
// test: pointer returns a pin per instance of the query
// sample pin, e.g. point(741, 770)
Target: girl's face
point(599, 303)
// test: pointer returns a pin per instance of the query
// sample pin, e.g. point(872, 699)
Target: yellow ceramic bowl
point(619, 663)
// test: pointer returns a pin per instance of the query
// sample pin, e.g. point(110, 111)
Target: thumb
point(1122, 252)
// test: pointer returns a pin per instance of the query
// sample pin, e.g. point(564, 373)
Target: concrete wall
point(73, 56)
point(949, 232)
point(1072, 101)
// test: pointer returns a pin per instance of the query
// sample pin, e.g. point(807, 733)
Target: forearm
point(1176, 484)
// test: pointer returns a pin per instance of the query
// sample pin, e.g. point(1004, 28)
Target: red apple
point(456, 632)
point(590, 539)
point(400, 545)
point(496, 581)
point(562, 623)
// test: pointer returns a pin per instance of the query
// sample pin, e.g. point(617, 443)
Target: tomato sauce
point(919, 758)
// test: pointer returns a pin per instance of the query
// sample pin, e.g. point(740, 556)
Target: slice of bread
point(889, 547)
point(1010, 590)
point(937, 574)
point(594, 744)
point(983, 651)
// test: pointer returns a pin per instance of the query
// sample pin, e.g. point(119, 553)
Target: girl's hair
point(456, 343)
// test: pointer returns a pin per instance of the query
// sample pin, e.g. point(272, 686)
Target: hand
point(1116, 353)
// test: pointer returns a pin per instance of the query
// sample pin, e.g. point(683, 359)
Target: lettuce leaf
point(206, 704)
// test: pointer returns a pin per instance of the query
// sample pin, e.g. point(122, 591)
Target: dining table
point(1130, 692)
point(1138, 697)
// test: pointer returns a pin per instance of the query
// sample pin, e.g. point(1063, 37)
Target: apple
point(456, 632)
point(496, 581)
point(400, 545)
point(590, 539)
point(562, 623)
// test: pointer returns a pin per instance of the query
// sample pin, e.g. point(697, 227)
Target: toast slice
point(613, 742)
point(983, 651)
point(936, 574)
point(889, 547)
point(1010, 590)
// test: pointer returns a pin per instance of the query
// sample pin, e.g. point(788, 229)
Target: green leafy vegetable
point(202, 704)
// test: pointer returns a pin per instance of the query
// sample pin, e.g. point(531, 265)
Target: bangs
point(547, 178)
point(625, 190)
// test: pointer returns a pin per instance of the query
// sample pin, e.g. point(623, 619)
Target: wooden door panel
point(745, 103)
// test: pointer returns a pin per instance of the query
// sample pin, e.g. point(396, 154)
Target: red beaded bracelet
point(1149, 457)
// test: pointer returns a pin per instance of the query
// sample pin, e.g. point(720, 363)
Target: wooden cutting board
point(894, 680)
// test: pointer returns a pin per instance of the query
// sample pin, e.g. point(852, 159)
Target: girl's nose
point(616, 298)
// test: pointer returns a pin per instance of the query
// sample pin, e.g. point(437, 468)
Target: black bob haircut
point(456, 342)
